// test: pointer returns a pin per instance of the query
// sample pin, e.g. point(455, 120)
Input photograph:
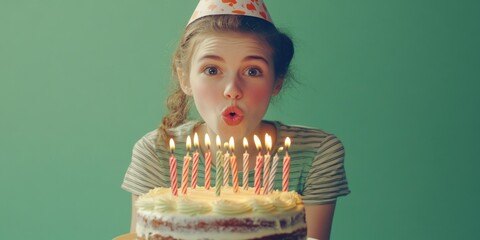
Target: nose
point(233, 89)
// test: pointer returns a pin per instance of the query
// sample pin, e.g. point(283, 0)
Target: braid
point(178, 106)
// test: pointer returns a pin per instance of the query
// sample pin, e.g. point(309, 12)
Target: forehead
point(232, 42)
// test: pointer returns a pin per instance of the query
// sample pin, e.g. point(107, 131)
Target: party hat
point(254, 8)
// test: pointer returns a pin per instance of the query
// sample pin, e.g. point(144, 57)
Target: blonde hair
point(178, 103)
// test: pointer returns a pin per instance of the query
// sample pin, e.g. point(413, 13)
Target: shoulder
point(306, 136)
point(148, 139)
point(183, 130)
point(178, 132)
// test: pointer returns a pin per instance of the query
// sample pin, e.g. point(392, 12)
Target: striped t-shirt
point(317, 170)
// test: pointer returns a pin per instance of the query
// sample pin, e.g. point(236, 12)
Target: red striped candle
point(195, 161)
point(286, 166)
point(186, 165)
point(266, 163)
point(208, 162)
point(245, 164)
point(173, 170)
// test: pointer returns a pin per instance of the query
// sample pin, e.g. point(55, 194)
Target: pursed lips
point(232, 115)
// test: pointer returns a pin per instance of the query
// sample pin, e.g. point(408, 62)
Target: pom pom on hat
point(254, 8)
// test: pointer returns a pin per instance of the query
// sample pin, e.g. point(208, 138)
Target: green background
point(397, 81)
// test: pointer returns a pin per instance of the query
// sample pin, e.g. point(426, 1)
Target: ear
point(277, 86)
point(184, 82)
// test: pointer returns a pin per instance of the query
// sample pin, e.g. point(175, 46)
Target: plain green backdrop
point(397, 81)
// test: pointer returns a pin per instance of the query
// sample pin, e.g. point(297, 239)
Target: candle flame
point(245, 143)
point(258, 144)
point(231, 143)
point(207, 141)
point(280, 149)
point(189, 143)
point(225, 145)
point(268, 142)
point(287, 143)
point(219, 143)
point(172, 145)
point(195, 140)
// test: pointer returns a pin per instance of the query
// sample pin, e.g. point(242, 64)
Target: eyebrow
point(254, 57)
point(213, 57)
point(218, 58)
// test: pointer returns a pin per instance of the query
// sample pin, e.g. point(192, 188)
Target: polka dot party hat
point(254, 8)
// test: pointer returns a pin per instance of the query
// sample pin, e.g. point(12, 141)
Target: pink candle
point(266, 163)
point(226, 165)
point(195, 161)
point(186, 165)
point(233, 163)
point(173, 170)
point(245, 164)
point(208, 162)
point(258, 165)
point(286, 166)
point(273, 170)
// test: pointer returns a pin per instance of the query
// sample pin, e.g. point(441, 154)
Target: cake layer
point(200, 214)
point(296, 235)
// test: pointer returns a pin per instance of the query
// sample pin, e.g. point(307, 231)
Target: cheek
point(205, 94)
point(197, 87)
point(200, 90)
point(260, 95)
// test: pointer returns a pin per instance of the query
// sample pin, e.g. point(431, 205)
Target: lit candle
point(226, 165)
point(186, 165)
point(245, 164)
point(233, 163)
point(219, 173)
point(258, 164)
point(273, 170)
point(286, 166)
point(173, 169)
point(266, 163)
point(195, 161)
point(208, 162)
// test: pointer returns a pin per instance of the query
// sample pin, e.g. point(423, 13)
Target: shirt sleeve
point(326, 179)
point(144, 171)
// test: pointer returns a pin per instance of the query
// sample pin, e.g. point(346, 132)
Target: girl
point(231, 63)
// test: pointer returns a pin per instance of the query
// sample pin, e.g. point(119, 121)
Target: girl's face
point(231, 80)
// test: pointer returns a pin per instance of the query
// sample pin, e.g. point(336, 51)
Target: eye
point(253, 72)
point(211, 71)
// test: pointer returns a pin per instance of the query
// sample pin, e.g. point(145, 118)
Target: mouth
point(232, 115)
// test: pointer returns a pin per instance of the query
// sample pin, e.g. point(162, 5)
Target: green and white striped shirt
point(317, 170)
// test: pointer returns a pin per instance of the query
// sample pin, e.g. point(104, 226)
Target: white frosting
point(145, 203)
point(284, 210)
point(262, 205)
point(201, 201)
point(285, 201)
point(229, 207)
point(189, 206)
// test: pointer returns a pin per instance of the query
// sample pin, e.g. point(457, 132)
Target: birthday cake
point(201, 214)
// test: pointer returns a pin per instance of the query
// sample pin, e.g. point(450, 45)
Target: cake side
point(202, 215)
point(208, 226)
